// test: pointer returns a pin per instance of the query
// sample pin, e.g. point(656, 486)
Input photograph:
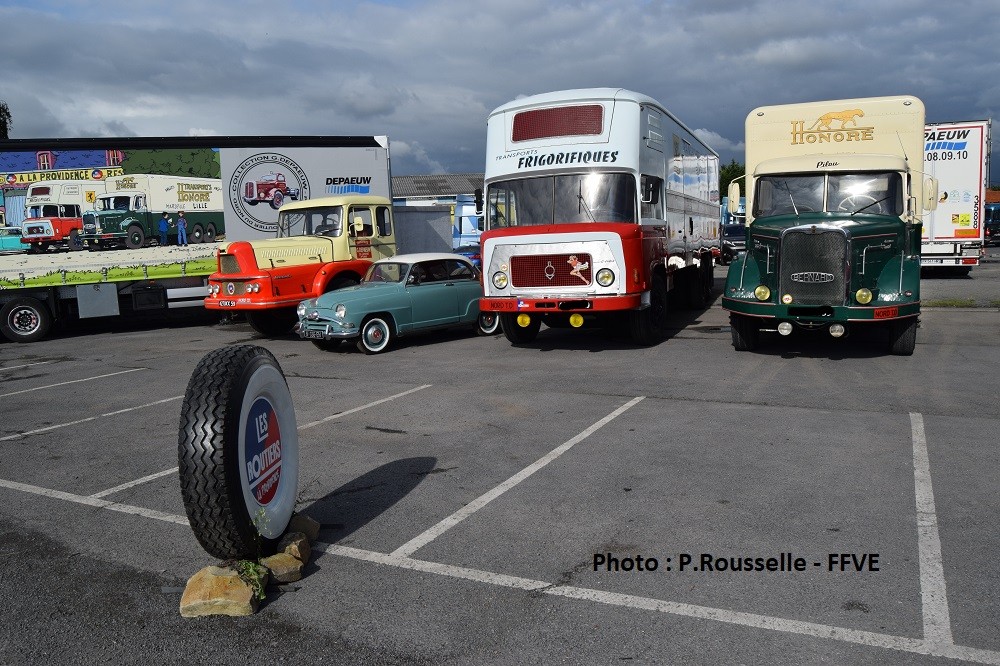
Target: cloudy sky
point(427, 72)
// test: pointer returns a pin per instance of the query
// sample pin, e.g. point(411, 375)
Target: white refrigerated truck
point(957, 155)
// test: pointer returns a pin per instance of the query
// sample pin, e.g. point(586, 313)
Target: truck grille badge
point(812, 277)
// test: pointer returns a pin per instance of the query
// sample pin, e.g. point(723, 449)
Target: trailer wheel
point(745, 332)
point(25, 319)
point(197, 234)
point(488, 323)
point(277, 199)
point(517, 334)
point(75, 243)
point(649, 325)
point(136, 237)
point(237, 451)
point(272, 323)
point(210, 233)
point(376, 335)
point(903, 336)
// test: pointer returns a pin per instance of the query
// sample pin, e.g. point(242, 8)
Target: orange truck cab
point(321, 244)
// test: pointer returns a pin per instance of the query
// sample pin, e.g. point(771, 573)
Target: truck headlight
point(863, 296)
point(762, 293)
point(500, 280)
point(605, 277)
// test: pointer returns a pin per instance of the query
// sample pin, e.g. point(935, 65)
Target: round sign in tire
point(238, 452)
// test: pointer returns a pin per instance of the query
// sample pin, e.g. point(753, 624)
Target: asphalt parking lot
point(468, 488)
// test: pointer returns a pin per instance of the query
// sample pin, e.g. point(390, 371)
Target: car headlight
point(301, 310)
point(605, 277)
point(500, 280)
point(340, 311)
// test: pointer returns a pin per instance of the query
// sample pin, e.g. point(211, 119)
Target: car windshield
point(591, 197)
point(874, 193)
point(319, 221)
point(389, 271)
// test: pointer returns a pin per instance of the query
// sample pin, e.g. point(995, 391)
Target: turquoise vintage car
point(10, 239)
point(409, 293)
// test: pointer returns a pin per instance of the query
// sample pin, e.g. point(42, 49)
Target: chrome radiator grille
point(813, 266)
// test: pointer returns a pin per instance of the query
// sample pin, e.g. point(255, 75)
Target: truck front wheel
point(649, 325)
point(197, 234)
point(74, 242)
point(516, 333)
point(25, 320)
point(210, 233)
point(903, 336)
point(136, 238)
point(745, 332)
point(272, 323)
point(277, 200)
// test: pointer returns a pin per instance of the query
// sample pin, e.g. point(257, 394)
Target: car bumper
point(821, 314)
point(325, 330)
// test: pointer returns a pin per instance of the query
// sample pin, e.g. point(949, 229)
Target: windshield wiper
point(791, 198)
point(583, 204)
point(873, 203)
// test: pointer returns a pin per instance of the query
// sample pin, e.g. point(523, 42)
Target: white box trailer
point(957, 155)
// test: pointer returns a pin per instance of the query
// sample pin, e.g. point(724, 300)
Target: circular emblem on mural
point(261, 184)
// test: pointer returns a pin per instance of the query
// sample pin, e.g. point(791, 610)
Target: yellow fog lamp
point(523, 320)
point(762, 293)
point(863, 296)
point(576, 320)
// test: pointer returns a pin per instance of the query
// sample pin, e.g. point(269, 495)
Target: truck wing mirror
point(930, 193)
point(479, 201)
point(359, 225)
point(734, 198)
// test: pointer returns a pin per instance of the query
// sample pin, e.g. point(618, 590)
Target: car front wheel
point(376, 335)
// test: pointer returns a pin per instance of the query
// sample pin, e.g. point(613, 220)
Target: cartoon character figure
point(578, 267)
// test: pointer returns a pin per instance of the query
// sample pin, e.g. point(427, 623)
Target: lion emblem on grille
point(849, 116)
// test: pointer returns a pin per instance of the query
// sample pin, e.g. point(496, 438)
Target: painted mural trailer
point(156, 280)
point(835, 194)
point(53, 212)
point(600, 207)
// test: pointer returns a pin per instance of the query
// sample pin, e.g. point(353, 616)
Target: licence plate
point(227, 304)
point(314, 335)
point(886, 313)
point(502, 305)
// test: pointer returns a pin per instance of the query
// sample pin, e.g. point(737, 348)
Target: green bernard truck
point(834, 203)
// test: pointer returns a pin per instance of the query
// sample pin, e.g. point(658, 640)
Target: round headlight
point(864, 296)
point(340, 310)
point(301, 310)
point(500, 280)
point(786, 299)
point(313, 314)
point(605, 277)
point(762, 292)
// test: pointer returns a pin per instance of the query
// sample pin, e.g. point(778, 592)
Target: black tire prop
point(238, 452)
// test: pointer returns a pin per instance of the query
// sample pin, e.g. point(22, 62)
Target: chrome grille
point(89, 223)
point(550, 270)
point(228, 265)
point(813, 266)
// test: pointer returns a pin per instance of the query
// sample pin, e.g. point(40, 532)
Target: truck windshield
point(592, 197)
point(871, 193)
point(113, 203)
point(732, 231)
point(320, 221)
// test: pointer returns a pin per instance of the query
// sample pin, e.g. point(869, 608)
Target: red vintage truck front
point(316, 251)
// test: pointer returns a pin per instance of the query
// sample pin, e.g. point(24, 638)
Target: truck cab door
point(370, 232)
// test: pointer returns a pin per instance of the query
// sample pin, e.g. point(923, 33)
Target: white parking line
point(937, 619)
point(133, 484)
point(26, 365)
point(72, 381)
point(95, 502)
point(19, 435)
point(363, 407)
point(421, 540)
